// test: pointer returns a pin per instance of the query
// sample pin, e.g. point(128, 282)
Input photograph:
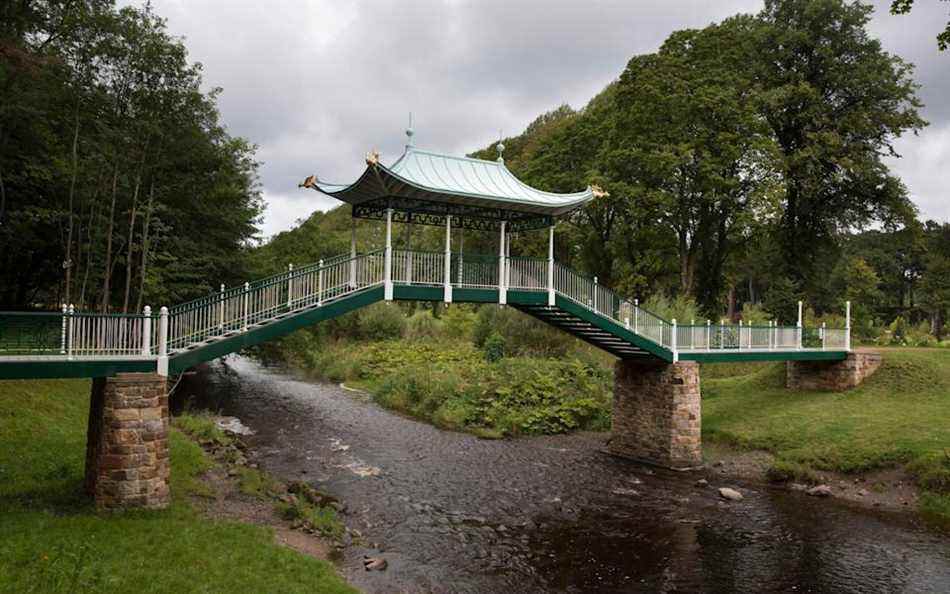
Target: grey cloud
point(318, 84)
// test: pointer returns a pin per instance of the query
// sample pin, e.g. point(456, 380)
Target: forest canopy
point(119, 186)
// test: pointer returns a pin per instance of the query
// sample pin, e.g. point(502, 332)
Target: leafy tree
point(935, 284)
point(835, 101)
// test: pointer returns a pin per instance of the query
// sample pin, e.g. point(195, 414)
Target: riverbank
point(53, 540)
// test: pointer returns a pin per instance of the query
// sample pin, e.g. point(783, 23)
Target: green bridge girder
point(565, 314)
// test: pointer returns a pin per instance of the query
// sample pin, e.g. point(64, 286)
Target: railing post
point(290, 285)
point(595, 294)
point(71, 333)
point(388, 265)
point(320, 283)
point(62, 337)
point(551, 297)
point(447, 293)
point(147, 331)
point(799, 326)
point(722, 333)
point(740, 335)
point(771, 334)
point(247, 292)
point(636, 316)
point(163, 341)
point(823, 334)
point(676, 355)
point(353, 255)
point(708, 333)
point(502, 289)
point(221, 307)
point(847, 325)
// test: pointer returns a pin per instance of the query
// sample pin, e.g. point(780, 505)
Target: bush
point(381, 321)
point(458, 322)
point(423, 324)
point(494, 347)
point(523, 335)
point(683, 309)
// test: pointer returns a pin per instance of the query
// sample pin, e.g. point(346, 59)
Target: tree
point(935, 283)
point(835, 102)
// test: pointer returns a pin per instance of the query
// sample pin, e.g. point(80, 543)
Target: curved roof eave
point(461, 180)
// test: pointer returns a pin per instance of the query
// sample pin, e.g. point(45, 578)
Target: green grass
point(53, 540)
point(899, 416)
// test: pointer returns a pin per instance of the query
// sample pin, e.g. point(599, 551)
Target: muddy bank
point(454, 513)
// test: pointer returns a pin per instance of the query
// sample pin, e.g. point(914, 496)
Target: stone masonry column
point(656, 413)
point(127, 445)
point(835, 376)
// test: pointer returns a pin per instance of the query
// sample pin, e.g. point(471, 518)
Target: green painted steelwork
point(72, 368)
point(613, 328)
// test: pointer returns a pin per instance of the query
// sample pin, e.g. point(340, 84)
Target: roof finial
point(500, 147)
point(409, 132)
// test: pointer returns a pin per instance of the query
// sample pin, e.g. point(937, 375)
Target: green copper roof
point(434, 177)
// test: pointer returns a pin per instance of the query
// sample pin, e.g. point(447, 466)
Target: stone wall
point(656, 413)
point(834, 376)
point(127, 444)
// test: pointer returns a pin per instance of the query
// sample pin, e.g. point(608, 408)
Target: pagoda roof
point(428, 182)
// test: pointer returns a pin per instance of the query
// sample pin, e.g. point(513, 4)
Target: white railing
point(239, 309)
point(527, 273)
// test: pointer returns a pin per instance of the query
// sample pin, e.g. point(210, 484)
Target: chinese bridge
point(656, 408)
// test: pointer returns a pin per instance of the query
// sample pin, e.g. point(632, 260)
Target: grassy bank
point(52, 540)
point(899, 417)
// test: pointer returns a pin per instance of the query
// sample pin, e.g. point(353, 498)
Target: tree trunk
point(107, 273)
point(731, 314)
point(145, 245)
point(132, 215)
point(67, 261)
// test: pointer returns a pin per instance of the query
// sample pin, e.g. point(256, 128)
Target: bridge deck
point(89, 345)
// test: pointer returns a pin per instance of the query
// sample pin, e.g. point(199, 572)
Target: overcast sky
point(317, 84)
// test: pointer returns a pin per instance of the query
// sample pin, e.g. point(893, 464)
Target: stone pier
point(127, 444)
point(835, 376)
point(656, 413)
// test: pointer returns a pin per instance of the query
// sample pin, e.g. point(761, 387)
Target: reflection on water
point(453, 513)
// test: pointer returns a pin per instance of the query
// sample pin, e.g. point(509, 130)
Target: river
point(454, 513)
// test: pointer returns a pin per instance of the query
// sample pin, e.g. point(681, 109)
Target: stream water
point(454, 513)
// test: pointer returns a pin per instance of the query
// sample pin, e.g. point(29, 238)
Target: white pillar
point(447, 277)
point(502, 289)
point(163, 342)
point(799, 326)
point(708, 333)
point(247, 291)
point(823, 333)
point(290, 286)
point(62, 338)
point(353, 255)
point(72, 331)
point(595, 294)
point(221, 307)
point(636, 316)
point(740, 334)
point(847, 326)
point(320, 282)
point(388, 266)
point(146, 331)
point(551, 297)
point(676, 355)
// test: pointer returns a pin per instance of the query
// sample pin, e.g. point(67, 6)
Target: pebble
point(374, 563)
point(702, 483)
point(862, 493)
point(730, 494)
point(819, 491)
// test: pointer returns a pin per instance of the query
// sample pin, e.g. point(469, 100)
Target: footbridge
point(656, 412)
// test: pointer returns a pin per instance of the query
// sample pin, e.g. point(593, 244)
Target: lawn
point(53, 540)
point(900, 416)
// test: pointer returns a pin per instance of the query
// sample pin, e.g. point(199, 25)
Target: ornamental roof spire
point(409, 132)
point(500, 147)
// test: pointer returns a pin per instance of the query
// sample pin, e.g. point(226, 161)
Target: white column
point(290, 286)
point(221, 307)
point(163, 342)
point(320, 282)
point(502, 289)
point(247, 292)
point(740, 334)
point(146, 331)
point(551, 296)
point(636, 316)
point(71, 334)
point(62, 338)
point(799, 325)
point(676, 355)
point(847, 326)
point(353, 255)
point(447, 277)
point(708, 333)
point(823, 336)
point(388, 266)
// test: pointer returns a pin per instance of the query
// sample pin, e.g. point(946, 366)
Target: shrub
point(494, 347)
point(458, 322)
point(683, 309)
point(382, 321)
point(423, 324)
point(524, 335)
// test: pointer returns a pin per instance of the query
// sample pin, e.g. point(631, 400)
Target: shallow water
point(454, 513)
